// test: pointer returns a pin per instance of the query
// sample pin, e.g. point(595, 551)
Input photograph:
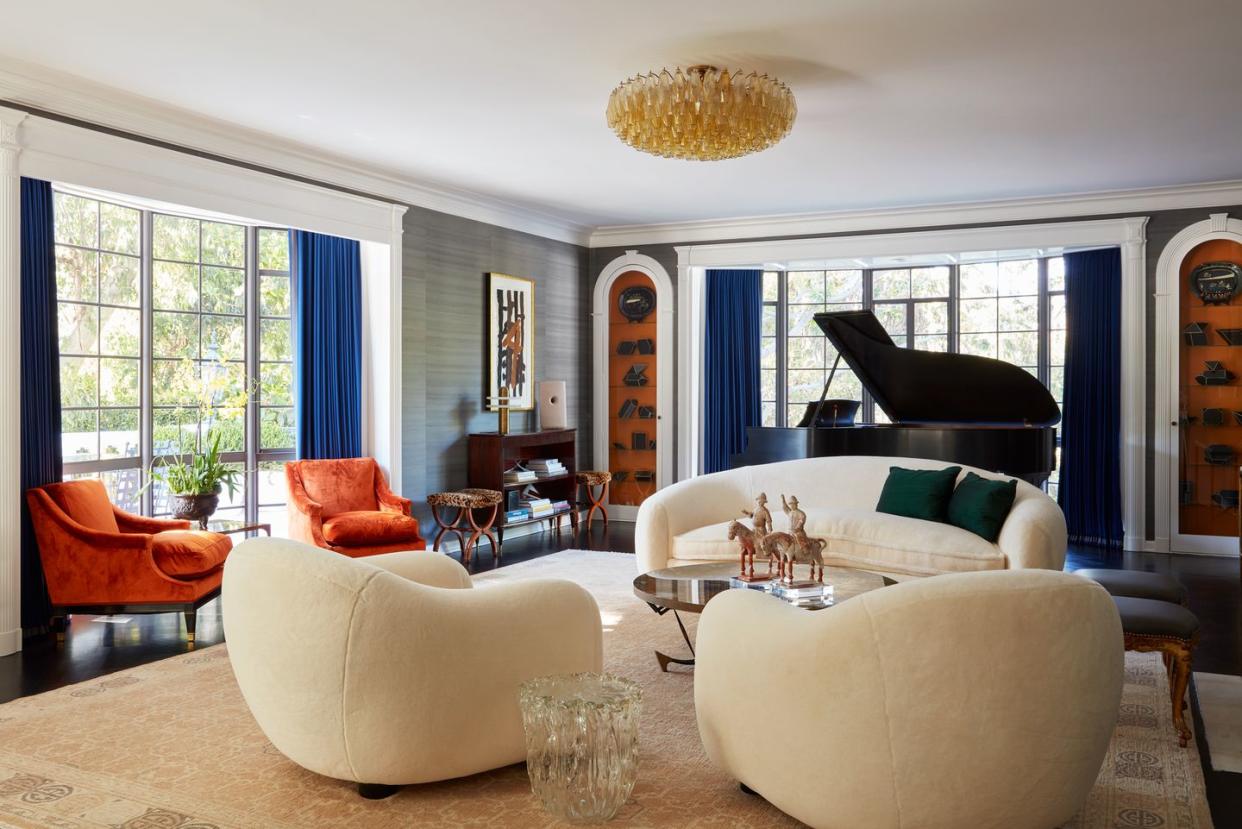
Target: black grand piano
point(957, 408)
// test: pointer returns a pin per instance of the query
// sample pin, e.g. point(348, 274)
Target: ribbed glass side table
point(581, 743)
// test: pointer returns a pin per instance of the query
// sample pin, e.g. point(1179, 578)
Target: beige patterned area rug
point(171, 746)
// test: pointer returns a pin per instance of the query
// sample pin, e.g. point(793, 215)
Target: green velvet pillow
point(918, 493)
point(981, 505)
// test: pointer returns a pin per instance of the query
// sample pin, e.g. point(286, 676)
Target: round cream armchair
point(393, 669)
point(971, 700)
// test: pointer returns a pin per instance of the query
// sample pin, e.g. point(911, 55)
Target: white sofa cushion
point(862, 538)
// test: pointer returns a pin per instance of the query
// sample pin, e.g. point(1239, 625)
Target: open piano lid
point(934, 387)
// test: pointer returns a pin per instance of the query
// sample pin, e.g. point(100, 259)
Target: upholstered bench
point(1170, 630)
point(466, 501)
point(1137, 584)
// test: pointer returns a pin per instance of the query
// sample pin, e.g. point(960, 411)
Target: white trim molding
point(1128, 234)
point(73, 97)
point(10, 378)
point(381, 350)
point(1041, 208)
point(665, 366)
point(1168, 338)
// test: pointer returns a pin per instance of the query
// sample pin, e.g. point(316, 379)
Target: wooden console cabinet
point(491, 453)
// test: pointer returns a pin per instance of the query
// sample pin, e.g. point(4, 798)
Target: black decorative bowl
point(1225, 498)
point(1213, 417)
point(1232, 336)
point(1218, 454)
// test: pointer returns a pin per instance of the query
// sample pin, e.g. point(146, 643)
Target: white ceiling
point(901, 102)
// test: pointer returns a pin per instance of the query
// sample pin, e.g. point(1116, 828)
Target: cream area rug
point(171, 745)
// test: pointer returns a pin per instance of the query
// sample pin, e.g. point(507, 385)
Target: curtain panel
point(40, 378)
point(1090, 485)
point(734, 311)
point(327, 324)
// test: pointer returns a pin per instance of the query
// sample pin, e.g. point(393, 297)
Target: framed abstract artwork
point(511, 340)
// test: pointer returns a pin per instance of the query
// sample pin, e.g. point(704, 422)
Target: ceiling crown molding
point(71, 97)
point(1042, 208)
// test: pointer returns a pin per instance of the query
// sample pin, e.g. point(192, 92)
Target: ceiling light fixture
point(702, 113)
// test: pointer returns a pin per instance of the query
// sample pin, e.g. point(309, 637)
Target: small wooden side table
point(466, 502)
point(590, 479)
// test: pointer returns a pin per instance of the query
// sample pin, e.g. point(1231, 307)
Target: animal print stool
point(590, 480)
point(466, 502)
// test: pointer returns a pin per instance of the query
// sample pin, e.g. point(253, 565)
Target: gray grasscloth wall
point(445, 262)
point(1161, 227)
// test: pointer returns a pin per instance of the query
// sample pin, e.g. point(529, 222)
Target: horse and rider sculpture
point(784, 548)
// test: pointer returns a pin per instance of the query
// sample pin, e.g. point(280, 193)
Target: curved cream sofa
point(392, 669)
point(686, 523)
point(967, 700)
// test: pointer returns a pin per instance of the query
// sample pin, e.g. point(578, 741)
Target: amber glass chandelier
point(701, 113)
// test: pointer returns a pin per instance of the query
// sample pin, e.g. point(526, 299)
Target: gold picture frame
point(510, 341)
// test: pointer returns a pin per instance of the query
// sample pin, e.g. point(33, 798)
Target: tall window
point(174, 333)
point(1013, 310)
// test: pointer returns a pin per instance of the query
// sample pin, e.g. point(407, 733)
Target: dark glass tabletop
point(690, 588)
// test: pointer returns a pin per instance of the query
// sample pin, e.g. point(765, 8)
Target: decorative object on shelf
point(500, 404)
point(638, 441)
point(1231, 336)
point(1214, 374)
point(1187, 492)
point(511, 340)
point(636, 376)
point(1237, 417)
point(552, 404)
point(646, 412)
point(1216, 283)
point(581, 743)
point(1213, 417)
point(1195, 333)
point(1187, 420)
point(621, 475)
point(616, 444)
point(646, 346)
point(1218, 454)
point(701, 113)
point(636, 303)
point(1225, 498)
point(644, 475)
point(626, 347)
point(627, 408)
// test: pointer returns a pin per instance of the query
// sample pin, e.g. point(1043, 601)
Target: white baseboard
point(10, 641)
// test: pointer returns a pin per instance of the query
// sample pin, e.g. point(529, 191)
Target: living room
point(801, 414)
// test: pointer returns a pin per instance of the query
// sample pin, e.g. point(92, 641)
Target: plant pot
point(195, 507)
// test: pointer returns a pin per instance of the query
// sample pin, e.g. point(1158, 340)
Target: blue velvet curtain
point(1090, 482)
point(40, 359)
point(731, 366)
point(327, 322)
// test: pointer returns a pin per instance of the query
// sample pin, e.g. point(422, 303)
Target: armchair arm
point(305, 514)
point(429, 568)
point(1034, 534)
point(388, 500)
point(130, 523)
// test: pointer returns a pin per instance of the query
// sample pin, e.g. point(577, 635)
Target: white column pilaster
point(10, 380)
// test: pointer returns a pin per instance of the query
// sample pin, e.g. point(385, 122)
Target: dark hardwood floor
point(94, 647)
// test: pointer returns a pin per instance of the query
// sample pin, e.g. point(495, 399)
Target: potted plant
point(194, 474)
point(195, 482)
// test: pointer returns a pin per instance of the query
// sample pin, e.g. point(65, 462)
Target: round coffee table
point(690, 588)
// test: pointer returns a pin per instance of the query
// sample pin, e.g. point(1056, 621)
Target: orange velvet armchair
point(101, 559)
point(345, 505)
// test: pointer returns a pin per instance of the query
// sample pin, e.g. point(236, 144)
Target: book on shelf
point(560, 506)
point(517, 515)
point(546, 467)
point(518, 474)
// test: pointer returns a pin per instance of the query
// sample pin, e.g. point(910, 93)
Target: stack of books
point(546, 467)
point(538, 507)
point(519, 474)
